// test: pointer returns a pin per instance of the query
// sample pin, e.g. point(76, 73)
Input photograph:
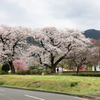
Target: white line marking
point(34, 97)
point(80, 98)
point(2, 90)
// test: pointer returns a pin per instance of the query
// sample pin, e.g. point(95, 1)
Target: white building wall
point(60, 69)
point(97, 68)
point(92, 68)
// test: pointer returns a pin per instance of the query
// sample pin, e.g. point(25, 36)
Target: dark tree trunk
point(70, 67)
point(95, 68)
point(53, 70)
point(11, 67)
point(77, 70)
point(46, 68)
point(62, 69)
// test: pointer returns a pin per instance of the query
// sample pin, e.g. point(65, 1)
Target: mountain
point(30, 40)
point(92, 33)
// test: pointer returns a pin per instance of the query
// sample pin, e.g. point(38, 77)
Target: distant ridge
point(92, 33)
point(30, 40)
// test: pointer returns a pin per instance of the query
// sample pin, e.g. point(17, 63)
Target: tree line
point(55, 46)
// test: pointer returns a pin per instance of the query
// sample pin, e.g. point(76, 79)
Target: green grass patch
point(2, 82)
point(72, 84)
point(89, 83)
point(58, 83)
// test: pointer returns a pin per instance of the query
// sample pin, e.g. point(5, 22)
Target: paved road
point(17, 94)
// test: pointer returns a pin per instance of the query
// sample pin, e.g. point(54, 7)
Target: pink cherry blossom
point(20, 64)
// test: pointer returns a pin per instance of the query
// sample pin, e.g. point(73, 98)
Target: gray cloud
point(78, 14)
point(14, 13)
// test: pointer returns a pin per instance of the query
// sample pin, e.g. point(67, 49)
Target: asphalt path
point(18, 94)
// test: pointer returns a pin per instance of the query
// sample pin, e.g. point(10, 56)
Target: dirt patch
point(36, 82)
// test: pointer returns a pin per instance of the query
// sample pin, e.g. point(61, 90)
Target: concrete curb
point(94, 97)
point(81, 96)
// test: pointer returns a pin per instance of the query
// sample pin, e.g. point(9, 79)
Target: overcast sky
point(77, 14)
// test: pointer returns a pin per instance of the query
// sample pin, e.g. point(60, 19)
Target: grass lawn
point(59, 83)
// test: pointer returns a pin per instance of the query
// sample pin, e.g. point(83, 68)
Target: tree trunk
point(53, 70)
point(11, 67)
point(46, 69)
point(62, 69)
point(77, 70)
point(95, 68)
point(70, 67)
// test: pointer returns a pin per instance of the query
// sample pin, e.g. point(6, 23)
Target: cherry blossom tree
point(80, 56)
point(64, 64)
point(69, 64)
point(96, 58)
point(12, 43)
point(55, 45)
point(20, 65)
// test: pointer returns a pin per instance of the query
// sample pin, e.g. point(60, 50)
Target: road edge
point(81, 96)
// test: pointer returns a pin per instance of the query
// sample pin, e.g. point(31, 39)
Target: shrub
point(31, 72)
point(95, 90)
point(0, 67)
point(48, 71)
point(90, 74)
point(89, 83)
point(2, 72)
point(39, 71)
point(26, 71)
point(34, 71)
point(72, 84)
point(5, 67)
point(21, 72)
point(2, 82)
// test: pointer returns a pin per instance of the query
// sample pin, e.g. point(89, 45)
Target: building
point(97, 67)
point(60, 69)
point(82, 68)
